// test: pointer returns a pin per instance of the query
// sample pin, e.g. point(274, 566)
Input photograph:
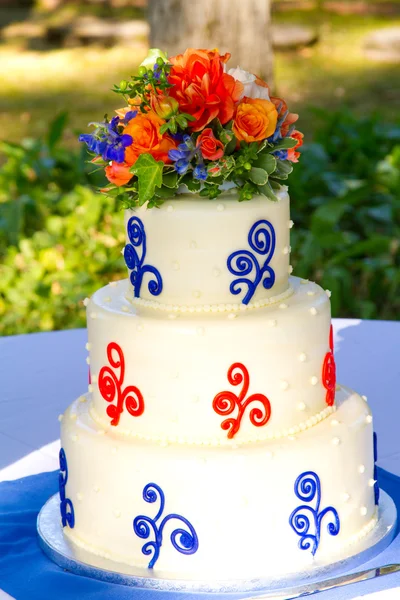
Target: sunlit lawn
point(36, 85)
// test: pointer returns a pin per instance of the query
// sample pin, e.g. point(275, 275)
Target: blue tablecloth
point(27, 574)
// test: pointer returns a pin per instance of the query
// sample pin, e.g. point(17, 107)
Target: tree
point(241, 26)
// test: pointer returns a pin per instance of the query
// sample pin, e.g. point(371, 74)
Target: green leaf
point(266, 162)
point(149, 173)
point(56, 129)
point(284, 144)
point(163, 192)
point(164, 128)
point(258, 176)
point(283, 169)
point(170, 179)
point(267, 191)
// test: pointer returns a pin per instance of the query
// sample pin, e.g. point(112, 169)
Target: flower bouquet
point(190, 123)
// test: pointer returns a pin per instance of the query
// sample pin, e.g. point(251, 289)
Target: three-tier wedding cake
point(214, 441)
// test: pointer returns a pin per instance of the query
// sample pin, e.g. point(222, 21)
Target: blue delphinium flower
point(200, 172)
point(107, 141)
point(183, 155)
point(282, 154)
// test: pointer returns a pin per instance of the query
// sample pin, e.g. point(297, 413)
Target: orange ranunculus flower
point(293, 156)
point(202, 88)
point(118, 173)
point(164, 106)
point(255, 119)
point(147, 139)
point(210, 147)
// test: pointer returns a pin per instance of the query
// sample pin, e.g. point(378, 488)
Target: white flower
point(251, 88)
point(152, 56)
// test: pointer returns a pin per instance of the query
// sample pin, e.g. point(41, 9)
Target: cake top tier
point(190, 120)
point(191, 254)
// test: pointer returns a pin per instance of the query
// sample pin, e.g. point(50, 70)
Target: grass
point(38, 84)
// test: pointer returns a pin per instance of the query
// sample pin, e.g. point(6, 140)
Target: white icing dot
point(74, 437)
point(96, 489)
point(216, 272)
point(336, 441)
point(107, 299)
point(220, 207)
point(269, 454)
point(196, 293)
point(117, 513)
point(60, 417)
point(290, 269)
point(125, 308)
point(283, 306)
point(93, 315)
point(193, 245)
point(368, 418)
point(334, 422)
point(112, 283)
point(371, 482)
point(363, 511)
point(284, 385)
point(139, 327)
point(82, 399)
point(304, 281)
point(200, 331)
point(94, 378)
point(172, 316)
point(301, 406)
point(292, 438)
point(361, 469)
point(72, 416)
point(313, 311)
point(290, 224)
point(79, 496)
point(88, 360)
point(271, 323)
point(88, 346)
point(302, 357)
point(314, 380)
point(86, 301)
point(364, 398)
point(232, 316)
point(164, 443)
point(90, 387)
point(310, 293)
point(328, 293)
point(176, 265)
point(345, 497)
point(170, 208)
point(285, 250)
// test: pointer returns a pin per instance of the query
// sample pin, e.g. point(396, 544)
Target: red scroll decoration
point(225, 403)
point(329, 372)
point(110, 386)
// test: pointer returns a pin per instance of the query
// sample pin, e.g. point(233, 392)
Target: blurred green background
point(60, 240)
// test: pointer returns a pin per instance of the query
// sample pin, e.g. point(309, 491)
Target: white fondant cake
point(211, 443)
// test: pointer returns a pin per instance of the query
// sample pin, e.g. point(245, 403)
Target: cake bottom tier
point(195, 512)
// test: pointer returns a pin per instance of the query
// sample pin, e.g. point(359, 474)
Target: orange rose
point(118, 173)
point(255, 119)
point(293, 156)
point(210, 147)
point(147, 139)
point(202, 88)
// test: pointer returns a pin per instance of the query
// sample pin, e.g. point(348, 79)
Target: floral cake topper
point(190, 121)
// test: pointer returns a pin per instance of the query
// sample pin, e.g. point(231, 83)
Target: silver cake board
point(82, 562)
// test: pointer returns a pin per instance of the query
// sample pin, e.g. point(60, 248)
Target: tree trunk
point(242, 27)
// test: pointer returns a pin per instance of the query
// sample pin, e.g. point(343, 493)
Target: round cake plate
point(82, 562)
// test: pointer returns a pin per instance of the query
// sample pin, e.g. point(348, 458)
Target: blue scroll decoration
point(134, 255)
point(186, 542)
point(305, 520)
point(376, 485)
point(66, 506)
point(262, 241)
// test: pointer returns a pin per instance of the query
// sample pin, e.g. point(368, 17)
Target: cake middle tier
point(220, 378)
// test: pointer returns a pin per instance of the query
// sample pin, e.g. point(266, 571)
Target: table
point(42, 373)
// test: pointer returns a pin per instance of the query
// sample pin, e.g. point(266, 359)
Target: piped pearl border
point(277, 435)
point(207, 308)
